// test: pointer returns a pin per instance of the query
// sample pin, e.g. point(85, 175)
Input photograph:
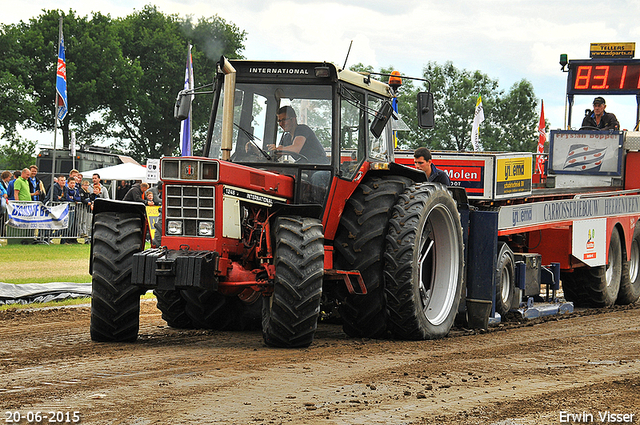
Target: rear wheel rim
point(613, 260)
point(505, 280)
point(438, 259)
point(634, 261)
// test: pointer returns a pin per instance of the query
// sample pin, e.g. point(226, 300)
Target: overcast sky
point(509, 40)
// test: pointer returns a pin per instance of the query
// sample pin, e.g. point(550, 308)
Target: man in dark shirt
point(136, 193)
point(35, 185)
point(299, 138)
point(422, 159)
point(599, 119)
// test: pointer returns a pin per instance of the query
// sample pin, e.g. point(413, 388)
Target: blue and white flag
point(583, 157)
point(61, 83)
point(35, 215)
point(185, 129)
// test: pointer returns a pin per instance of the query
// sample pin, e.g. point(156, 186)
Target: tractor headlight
point(205, 228)
point(174, 227)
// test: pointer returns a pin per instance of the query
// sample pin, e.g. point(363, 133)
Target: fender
point(111, 205)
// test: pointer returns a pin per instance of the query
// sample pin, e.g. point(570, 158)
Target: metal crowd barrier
point(78, 231)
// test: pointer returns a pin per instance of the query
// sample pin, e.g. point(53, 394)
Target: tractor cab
point(263, 111)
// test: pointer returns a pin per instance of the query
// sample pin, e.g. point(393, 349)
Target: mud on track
point(587, 362)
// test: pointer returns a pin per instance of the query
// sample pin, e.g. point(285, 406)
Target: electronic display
point(604, 77)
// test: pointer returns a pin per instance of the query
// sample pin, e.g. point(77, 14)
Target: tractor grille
point(192, 205)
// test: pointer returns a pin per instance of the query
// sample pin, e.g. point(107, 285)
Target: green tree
point(17, 153)
point(155, 46)
point(17, 104)
point(123, 75)
point(510, 119)
point(31, 57)
point(513, 126)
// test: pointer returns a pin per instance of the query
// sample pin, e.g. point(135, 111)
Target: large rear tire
point(505, 279)
point(209, 309)
point(290, 314)
point(115, 303)
point(359, 245)
point(172, 306)
point(424, 263)
point(630, 280)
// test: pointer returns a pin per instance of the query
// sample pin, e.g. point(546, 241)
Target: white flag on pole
point(478, 117)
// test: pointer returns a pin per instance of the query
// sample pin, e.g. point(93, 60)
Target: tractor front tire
point(290, 314)
point(115, 303)
point(424, 263)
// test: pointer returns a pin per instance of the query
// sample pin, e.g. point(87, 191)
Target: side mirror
point(183, 106)
point(381, 119)
point(425, 110)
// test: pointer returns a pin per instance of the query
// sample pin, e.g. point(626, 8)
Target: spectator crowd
point(24, 185)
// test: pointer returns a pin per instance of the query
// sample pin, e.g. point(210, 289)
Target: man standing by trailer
point(423, 162)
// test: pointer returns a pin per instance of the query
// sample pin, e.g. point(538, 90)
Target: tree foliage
point(17, 153)
point(122, 75)
point(510, 118)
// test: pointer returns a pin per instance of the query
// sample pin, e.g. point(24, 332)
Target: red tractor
point(263, 230)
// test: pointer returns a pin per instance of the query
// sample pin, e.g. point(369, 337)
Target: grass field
point(44, 263)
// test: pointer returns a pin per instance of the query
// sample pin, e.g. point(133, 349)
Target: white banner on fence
point(35, 215)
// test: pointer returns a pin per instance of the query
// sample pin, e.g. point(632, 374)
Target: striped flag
point(542, 137)
point(584, 157)
point(186, 140)
point(61, 83)
point(478, 117)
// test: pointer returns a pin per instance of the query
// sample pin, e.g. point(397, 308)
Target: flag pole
point(55, 116)
point(186, 138)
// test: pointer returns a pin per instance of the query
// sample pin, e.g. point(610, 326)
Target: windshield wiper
point(252, 139)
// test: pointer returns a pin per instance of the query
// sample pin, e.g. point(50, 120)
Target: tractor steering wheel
point(297, 157)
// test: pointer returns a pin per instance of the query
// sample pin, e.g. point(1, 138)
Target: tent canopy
point(126, 171)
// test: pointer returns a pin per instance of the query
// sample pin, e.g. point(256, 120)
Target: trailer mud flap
point(168, 270)
point(483, 230)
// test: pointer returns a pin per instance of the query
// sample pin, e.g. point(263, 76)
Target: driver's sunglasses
point(281, 120)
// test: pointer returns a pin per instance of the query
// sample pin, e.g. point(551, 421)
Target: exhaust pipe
point(227, 109)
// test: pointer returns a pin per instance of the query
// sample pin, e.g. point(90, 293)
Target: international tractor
point(253, 236)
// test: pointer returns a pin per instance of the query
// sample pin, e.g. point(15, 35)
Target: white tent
point(126, 171)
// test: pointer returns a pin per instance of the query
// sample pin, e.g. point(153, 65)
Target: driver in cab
point(298, 138)
point(598, 119)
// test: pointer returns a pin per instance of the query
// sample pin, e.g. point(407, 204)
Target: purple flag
point(185, 129)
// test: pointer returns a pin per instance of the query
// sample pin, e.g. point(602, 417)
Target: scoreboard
point(602, 76)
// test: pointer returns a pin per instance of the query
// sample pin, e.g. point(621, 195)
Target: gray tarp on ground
point(42, 292)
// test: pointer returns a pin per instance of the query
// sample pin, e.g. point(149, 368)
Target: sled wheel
point(505, 279)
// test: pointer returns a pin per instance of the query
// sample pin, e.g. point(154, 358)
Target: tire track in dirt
point(47, 361)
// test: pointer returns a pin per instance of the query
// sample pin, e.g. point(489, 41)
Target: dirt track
point(527, 374)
